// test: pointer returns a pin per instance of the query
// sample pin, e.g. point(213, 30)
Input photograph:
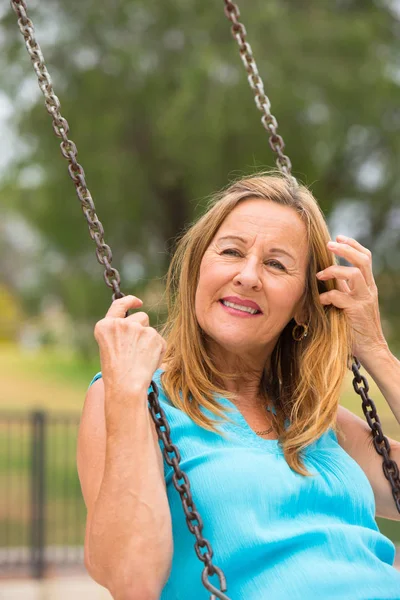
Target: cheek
point(282, 294)
point(201, 304)
point(210, 280)
point(208, 287)
point(201, 293)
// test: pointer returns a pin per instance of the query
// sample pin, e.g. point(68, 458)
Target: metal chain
point(68, 148)
point(381, 443)
point(261, 99)
point(112, 279)
point(189, 506)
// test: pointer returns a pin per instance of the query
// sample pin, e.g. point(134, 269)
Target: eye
point(230, 250)
point(282, 268)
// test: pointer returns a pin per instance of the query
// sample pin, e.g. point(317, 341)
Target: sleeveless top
point(274, 533)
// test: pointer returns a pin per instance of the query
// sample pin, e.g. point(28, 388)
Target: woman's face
point(267, 266)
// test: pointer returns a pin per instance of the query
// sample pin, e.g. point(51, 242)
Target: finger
point(120, 307)
point(352, 242)
point(352, 275)
point(343, 286)
point(337, 298)
point(140, 317)
point(356, 257)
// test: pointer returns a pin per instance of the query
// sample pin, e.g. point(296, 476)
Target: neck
point(245, 384)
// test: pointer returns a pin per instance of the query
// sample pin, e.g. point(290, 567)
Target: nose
point(248, 276)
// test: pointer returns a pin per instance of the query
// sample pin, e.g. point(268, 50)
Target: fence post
point(38, 499)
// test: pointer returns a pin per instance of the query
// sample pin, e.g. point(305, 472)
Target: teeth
point(239, 307)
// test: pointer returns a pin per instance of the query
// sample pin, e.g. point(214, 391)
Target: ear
point(301, 320)
point(301, 316)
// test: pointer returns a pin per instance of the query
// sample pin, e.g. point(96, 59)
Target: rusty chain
point(262, 101)
point(112, 277)
point(189, 506)
point(381, 443)
point(68, 148)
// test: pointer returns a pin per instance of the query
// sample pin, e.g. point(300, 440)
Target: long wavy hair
point(304, 378)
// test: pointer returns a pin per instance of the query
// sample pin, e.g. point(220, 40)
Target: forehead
point(265, 218)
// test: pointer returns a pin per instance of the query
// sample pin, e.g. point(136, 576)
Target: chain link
point(276, 142)
point(184, 492)
point(381, 443)
point(112, 277)
point(68, 148)
point(262, 101)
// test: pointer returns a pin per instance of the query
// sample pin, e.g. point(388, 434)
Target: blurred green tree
point(160, 109)
point(10, 315)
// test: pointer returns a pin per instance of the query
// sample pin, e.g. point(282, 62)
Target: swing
point(112, 277)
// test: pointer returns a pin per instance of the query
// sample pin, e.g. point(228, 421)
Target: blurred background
point(160, 109)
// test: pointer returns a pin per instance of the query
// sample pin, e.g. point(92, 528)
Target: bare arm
point(357, 440)
point(128, 541)
point(355, 437)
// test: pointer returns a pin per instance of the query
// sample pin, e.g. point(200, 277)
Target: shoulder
point(355, 437)
point(95, 378)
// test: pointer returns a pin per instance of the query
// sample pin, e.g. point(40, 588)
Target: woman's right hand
point(130, 350)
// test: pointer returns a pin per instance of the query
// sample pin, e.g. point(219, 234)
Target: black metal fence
point(42, 512)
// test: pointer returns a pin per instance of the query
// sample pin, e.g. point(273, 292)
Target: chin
point(230, 344)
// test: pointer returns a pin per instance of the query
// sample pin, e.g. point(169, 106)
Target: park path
point(67, 588)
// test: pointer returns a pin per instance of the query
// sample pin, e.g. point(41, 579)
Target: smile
point(236, 309)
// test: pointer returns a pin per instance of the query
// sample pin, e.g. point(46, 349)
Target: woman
point(262, 325)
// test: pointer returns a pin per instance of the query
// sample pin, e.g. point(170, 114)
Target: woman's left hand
point(357, 295)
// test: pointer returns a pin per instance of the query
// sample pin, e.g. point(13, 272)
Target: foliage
point(10, 316)
point(160, 109)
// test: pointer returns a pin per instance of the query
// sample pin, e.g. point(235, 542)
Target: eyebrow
point(238, 237)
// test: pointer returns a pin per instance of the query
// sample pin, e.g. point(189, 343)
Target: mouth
point(239, 310)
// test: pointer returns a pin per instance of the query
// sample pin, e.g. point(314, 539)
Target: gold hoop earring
point(304, 333)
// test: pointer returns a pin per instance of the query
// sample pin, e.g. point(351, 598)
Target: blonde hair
point(304, 378)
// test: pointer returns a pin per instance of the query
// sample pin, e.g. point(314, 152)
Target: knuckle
point(122, 300)
point(156, 337)
point(134, 326)
point(142, 318)
point(99, 326)
point(120, 324)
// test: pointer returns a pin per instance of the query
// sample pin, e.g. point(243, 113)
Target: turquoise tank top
point(274, 533)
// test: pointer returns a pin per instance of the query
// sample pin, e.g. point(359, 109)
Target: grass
point(44, 380)
point(57, 383)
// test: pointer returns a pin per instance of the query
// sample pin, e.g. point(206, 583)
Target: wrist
point(122, 393)
point(377, 357)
